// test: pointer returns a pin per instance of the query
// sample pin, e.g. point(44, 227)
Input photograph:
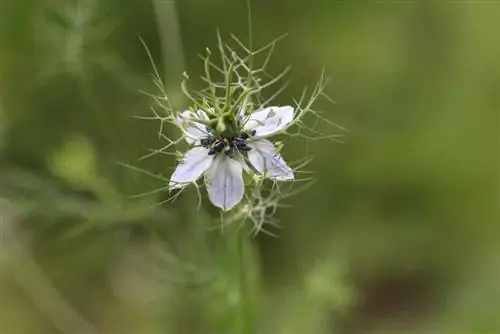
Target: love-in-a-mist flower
point(221, 153)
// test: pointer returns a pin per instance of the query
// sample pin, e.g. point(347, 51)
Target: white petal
point(224, 180)
point(192, 130)
point(266, 160)
point(194, 163)
point(269, 120)
point(241, 159)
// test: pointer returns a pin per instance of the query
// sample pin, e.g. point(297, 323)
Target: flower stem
point(244, 291)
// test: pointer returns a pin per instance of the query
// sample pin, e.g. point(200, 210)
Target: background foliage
point(399, 233)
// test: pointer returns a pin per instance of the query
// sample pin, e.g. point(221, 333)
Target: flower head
point(228, 135)
point(221, 153)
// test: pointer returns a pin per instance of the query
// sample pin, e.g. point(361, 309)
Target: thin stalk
point(246, 309)
point(170, 39)
point(250, 43)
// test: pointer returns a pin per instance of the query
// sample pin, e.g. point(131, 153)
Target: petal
point(194, 163)
point(269, 120)
point(224, 180)
point(266, 160)
point(192, 130)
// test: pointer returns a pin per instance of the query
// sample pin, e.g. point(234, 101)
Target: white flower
point(222, 160)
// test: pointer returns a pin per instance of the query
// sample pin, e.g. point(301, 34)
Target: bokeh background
point(399, 233)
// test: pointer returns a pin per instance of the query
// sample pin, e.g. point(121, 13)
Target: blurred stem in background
point(241, 270)
point(171, 48)
point(245, 299)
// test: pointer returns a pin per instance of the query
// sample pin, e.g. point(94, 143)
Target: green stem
point(171, 43)
point(250, 43)
point(246, 309)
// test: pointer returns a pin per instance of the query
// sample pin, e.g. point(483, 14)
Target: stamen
point(217, 147)
point(205, 142)
point(240, 143)
point(246, 135)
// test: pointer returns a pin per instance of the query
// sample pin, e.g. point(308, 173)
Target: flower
point(221, 160)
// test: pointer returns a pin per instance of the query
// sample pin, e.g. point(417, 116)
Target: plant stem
point(246, 309)
point(171, 42)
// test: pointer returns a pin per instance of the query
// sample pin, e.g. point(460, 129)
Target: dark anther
point(246, 135)
point(244, 148)
point(217, 147)
point(206, 142)
point(241, 144)
point(237, 140)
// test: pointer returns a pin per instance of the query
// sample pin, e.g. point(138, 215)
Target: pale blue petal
point(267, 161)
point(193, 131)
point(224, 180)
point(269, 121)
point(193, 164)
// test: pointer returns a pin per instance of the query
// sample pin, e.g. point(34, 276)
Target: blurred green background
point(399, 233)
